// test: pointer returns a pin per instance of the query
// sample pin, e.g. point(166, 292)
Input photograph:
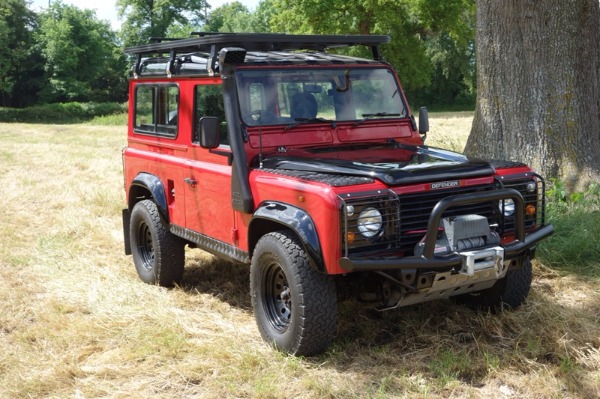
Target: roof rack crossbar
point(202, 34)
point(156, 39)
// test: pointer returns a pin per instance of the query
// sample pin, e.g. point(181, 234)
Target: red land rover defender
point(265, 149)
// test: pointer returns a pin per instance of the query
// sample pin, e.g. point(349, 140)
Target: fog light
point(370, 222)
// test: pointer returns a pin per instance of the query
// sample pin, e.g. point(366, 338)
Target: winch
point(472, 237)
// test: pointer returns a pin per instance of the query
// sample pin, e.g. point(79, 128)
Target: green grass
point(574, 247)
point(119, 119)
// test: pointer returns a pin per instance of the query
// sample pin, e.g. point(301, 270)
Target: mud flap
point(126, 220)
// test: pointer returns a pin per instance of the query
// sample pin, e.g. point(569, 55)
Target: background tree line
point(65, 53)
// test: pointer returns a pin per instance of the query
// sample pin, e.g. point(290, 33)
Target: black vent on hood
point(392, 164)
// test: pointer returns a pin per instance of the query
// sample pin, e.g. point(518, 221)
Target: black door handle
point(191, 181)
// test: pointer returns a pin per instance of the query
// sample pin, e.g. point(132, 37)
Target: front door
point(208, 181)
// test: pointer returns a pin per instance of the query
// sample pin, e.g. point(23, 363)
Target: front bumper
point(519, 247)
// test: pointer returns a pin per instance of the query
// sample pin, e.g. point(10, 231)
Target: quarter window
point(156, 110)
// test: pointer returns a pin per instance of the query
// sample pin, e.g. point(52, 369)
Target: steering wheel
point(259, 116)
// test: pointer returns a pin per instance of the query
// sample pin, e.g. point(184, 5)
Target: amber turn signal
point(530, 210)
point(350, 237)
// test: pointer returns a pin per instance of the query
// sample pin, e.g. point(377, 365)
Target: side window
point(209, 102)
point(156, 108)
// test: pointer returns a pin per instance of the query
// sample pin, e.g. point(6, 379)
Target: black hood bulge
point(392, 164)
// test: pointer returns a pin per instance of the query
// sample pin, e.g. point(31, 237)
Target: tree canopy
point(81, 58)
point(432, 41)
point(153, 18)
point(17, 53)
point(61, 50)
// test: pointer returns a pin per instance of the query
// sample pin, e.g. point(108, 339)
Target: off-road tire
point(158, 255)
point(509, 292)
point(294, 305)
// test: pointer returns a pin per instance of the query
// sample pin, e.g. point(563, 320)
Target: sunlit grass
point(110, 120)
point(75, 321)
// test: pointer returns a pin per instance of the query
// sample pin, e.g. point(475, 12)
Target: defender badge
point(445, 184)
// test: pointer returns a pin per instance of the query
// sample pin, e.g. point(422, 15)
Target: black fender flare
point(269, 214)
point(146, 182)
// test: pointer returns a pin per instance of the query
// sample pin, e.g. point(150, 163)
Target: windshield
point(272, 96)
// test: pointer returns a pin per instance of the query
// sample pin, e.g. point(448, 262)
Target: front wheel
point(508, 292)
point(159, 256)
point(295, 306)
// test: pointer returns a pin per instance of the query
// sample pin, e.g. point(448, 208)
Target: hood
point(392, 164)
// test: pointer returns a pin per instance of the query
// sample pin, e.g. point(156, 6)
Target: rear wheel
point(159, 256)
point(295, 306)
point(509, 292)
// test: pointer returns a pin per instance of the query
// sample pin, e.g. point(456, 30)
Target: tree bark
point(538, 94)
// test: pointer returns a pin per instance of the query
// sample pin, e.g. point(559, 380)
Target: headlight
point(507, 207)
point(370, 222)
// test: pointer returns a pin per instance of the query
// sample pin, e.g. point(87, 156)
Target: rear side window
point(156, 110)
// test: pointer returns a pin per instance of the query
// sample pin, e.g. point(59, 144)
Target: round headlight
point(507, 207)
point(370, 222)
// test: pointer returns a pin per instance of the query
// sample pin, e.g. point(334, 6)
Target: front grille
point(416, 208)
point(405, 216)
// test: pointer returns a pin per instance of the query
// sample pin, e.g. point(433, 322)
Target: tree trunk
point(538, 93)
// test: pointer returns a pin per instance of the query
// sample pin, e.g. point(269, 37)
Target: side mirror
point(423, 120)
point(210, 132)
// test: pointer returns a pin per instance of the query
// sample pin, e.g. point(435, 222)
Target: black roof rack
point(257, 42)
point(212, 43)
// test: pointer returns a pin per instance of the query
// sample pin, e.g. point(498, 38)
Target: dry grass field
point(75, 321)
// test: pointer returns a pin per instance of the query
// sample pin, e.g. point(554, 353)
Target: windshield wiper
point(367, 117)
point(302, 121)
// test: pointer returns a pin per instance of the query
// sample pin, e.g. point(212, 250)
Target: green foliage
point(63, 113)
point(576, 219)
point(82, 59)
point(432, 40)
point(19, 64)
point(154, 18)
point(230, 17)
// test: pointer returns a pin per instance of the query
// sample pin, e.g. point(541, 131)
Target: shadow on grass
point(224, 280)
point(442, 342)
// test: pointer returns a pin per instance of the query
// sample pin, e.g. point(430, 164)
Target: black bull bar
point(429, 260)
